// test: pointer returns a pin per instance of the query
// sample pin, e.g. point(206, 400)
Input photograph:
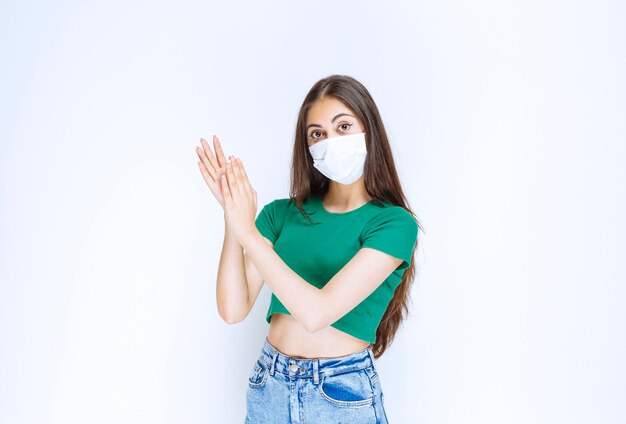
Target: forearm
point(302, 299)
point(232, 286)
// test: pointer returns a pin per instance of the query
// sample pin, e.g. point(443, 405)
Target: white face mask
point(340, 158)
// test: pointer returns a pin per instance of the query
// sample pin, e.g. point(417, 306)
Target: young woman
point(337, 255)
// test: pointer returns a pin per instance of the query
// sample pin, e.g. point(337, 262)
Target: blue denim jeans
point(344, 389)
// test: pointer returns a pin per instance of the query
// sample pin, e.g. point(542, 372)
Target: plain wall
point(507, 125)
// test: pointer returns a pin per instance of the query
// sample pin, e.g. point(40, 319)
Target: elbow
point(315, 324)
point(231, 319)
point(316, 319)
point(230, 314)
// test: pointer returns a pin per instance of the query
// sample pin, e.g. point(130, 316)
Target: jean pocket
point(350, 389)
point(258, 376)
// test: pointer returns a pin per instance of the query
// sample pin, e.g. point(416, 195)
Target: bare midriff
point(292, 339)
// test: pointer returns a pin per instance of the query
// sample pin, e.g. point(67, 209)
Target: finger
point(207, 177)
point(225, 190)
point(232, 183)
point(219, 152)
point(244, 178)
point(237, 172)
point(209, 160)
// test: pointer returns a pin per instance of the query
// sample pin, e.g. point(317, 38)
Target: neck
point(346, 196)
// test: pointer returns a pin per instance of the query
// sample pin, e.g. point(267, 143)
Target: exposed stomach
point(289, 336)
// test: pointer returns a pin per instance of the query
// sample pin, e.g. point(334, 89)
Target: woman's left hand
point(240, 203)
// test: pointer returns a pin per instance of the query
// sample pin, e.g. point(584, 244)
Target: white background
point(507, 123)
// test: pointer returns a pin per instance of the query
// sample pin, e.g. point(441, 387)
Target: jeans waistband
point(315, 367)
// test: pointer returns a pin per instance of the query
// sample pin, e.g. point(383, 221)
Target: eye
point(345, 123)
point(313, 133)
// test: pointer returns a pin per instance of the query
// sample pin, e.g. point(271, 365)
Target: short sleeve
point(393, 231)
point(266, 222)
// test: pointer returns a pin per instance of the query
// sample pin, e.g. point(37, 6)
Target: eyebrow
point(334, 119)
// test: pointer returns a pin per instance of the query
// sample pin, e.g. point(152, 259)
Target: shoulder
point(281, 202)
point(279, 205)
point(388, 212)
point(392, 220)
point(393, 230)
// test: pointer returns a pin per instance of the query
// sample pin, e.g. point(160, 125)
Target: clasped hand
point(229, 183)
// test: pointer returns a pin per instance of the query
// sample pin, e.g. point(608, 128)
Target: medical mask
point(340, 158)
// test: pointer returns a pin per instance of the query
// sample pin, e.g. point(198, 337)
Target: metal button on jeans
point(294, 367)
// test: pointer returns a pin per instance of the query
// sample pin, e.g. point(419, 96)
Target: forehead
point(324, 110)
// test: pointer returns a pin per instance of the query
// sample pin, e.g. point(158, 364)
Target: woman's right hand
point(212, 167)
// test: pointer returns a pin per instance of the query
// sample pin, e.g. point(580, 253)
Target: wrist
point(250, 238)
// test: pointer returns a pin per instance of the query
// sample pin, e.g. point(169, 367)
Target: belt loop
point(316, 377)
point(371, 353)
point(272, 367)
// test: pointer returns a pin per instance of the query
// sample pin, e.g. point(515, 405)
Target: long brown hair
point(380, 178)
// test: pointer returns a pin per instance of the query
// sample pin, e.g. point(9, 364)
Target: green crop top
point(316, 252)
